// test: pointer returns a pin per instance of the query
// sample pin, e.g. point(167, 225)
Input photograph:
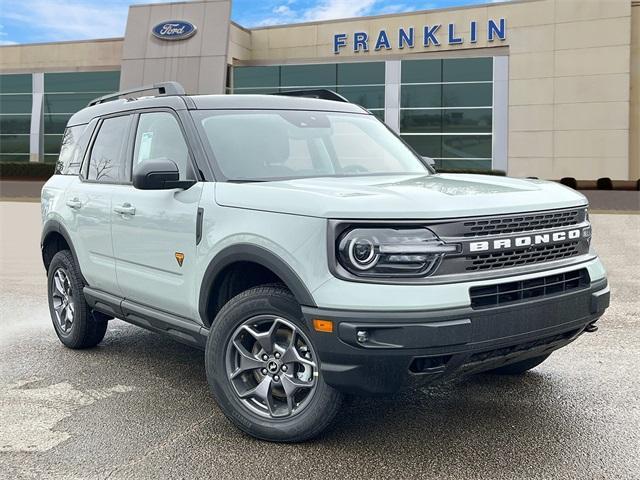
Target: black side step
point(181, 329)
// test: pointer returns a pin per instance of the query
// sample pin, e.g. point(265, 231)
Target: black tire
point(323, 402)
point(85, 330)
point(519, 368)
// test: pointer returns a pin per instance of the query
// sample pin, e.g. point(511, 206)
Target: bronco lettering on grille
point(524, 241)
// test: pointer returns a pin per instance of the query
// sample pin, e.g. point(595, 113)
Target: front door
point(154, 231)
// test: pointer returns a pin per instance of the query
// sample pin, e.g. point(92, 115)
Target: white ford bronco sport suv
point(307, 250)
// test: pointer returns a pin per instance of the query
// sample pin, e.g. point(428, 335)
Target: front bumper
point(379, 352)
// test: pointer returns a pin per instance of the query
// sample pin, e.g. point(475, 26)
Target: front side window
point(106, 163)
point(159, 137)
point(268, 145)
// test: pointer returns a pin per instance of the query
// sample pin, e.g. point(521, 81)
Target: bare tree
point(102, 167)
point(67, 143)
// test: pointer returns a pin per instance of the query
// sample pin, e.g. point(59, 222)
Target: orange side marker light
point(322, 325)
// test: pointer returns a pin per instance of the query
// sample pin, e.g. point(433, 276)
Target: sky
point(32, 21)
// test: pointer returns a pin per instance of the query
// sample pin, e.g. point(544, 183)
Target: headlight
point(391, 252)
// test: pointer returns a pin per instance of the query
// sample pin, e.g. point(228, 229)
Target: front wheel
point(264, 370)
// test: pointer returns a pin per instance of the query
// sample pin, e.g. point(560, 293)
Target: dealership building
point(546, 88)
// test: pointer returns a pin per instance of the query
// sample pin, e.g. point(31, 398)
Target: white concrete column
point(36, 137)
point(500, 128)
point(392, 71)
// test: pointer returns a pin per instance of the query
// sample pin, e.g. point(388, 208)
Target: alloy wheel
point(62, 296)
point(271, 366)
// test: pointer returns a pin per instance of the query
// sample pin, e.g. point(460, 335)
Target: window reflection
point(106, 160)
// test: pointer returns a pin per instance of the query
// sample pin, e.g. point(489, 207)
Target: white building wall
point(198, 63)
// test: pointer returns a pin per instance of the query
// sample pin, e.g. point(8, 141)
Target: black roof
point(213, 102)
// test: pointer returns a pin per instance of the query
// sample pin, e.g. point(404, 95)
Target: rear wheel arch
point(266, 268)
point(54, 239)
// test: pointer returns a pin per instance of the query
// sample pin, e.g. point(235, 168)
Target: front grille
point(492, 228)
point(522, 347)
point(515, 258)
point(521, 223)
point(513, 292)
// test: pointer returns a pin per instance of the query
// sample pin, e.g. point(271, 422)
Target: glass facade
point(446, 110)
point(446, 106)
point(15, 116)
point(361, 82)
point(66, 93)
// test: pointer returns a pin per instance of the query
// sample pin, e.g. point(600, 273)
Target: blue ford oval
point(173, 30)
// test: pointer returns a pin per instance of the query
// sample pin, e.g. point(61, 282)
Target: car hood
point(399, 196)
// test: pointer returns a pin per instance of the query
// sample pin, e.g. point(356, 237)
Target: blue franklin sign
point(426, 37)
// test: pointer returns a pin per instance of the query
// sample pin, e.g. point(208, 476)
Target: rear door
point(154, 231)
point(88, 202)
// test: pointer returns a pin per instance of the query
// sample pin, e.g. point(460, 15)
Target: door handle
point(74, 203)
point(125, 209)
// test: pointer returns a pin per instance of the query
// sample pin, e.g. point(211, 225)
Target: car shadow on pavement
point(505, 422)
point(495, 423)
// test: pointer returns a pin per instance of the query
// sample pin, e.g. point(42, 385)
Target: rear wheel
point(519, 368)
point(263, 368)
point(72, 318)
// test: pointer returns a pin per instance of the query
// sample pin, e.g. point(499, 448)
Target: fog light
point(362, 336)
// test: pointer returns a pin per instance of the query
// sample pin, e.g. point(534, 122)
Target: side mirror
point(160, 174)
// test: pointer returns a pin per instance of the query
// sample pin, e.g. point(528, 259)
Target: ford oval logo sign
point(173, 30)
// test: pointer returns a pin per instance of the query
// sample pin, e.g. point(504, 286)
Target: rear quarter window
point(74, 143)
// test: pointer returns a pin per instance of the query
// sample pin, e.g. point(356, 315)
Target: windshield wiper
point(246, 180)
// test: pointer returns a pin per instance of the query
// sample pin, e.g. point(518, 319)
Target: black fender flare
point(247, 252)
point(55, 226)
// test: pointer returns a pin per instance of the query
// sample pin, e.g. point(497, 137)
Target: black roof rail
point(321, 93)
point(163, 88)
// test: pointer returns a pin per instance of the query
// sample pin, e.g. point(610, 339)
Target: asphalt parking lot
point(138, 406)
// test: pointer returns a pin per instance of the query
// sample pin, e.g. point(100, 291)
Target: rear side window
point(107, 160)
point(74, 141)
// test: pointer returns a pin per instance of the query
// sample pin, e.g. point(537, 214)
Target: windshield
point(283, 144)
